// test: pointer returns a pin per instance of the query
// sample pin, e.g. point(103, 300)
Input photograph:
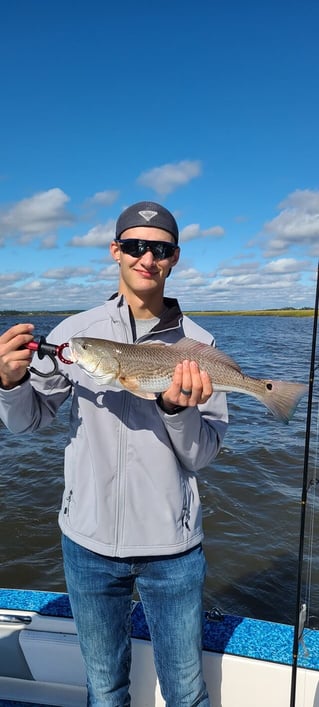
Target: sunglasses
point(136, 247)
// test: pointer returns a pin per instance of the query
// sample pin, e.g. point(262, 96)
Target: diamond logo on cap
point(148, 215)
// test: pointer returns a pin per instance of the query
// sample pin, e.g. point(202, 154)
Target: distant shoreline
point(193, 313)
point(256, 313)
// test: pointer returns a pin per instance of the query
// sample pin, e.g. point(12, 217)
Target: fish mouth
point(73, 353)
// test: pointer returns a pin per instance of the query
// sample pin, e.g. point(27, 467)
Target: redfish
point(147, 370)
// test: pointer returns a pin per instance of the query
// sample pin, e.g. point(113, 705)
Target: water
point(251, 494)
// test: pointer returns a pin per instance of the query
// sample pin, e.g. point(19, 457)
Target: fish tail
point(282, 398)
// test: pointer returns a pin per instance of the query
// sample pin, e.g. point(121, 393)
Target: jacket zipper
point(185, 518)
point(67, 504)
point(121, 443)
point(119, 521)
point(186, 509)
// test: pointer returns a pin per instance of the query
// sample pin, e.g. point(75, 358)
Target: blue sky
point(209, 107)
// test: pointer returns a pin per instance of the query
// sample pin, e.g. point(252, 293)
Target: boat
point(247, 662)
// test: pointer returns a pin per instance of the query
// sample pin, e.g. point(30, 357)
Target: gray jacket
point(130, 468)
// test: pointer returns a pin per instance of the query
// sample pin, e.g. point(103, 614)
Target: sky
point(210, 108)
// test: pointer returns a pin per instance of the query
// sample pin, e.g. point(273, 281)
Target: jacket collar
point(170, 318)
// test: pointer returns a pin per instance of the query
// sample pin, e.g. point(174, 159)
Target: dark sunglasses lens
point(162, 250)
point(131, 247)
point(137, 247)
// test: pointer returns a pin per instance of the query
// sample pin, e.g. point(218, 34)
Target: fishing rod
point(301, 608)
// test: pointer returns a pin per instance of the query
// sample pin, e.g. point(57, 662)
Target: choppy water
point(251, 493)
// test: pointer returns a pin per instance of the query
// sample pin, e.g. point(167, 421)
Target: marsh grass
point(254, 313)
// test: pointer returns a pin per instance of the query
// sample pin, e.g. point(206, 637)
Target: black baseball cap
point(146, 213)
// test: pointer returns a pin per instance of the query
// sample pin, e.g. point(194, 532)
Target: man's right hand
point(14, 357)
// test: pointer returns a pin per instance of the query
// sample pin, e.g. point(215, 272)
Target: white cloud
point(251, 280)
point(297, 224)
point(34, 285)
point(303, 199)
point(97, 237)
point(110, 272)
point(12, 277)
point(189, 275)
point(48, 242)
point(248, 286)
point(193, 230)
point(39, 215)
point(284, 265)
point(103, 198)
point(235, 270)
point(165, 179)
point(66, 273)
point(279, 280)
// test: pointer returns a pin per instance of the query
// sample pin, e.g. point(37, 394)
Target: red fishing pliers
point(53, 351)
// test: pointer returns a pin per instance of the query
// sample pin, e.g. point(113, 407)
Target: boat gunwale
point(226, 634)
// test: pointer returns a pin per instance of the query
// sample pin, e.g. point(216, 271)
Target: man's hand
point(189, 387)
point(14, 357)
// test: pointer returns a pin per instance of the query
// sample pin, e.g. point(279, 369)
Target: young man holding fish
point(131, 513)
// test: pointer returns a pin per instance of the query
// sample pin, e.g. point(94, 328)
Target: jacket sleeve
point(196, 433)
point(33, 404)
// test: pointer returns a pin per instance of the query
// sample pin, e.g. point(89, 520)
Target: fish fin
point(132, 386)
point(282, 398)
point(191, 347)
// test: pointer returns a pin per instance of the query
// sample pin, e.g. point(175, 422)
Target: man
point(131, 512)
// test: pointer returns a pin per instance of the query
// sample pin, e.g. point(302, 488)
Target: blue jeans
point(170, 588)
